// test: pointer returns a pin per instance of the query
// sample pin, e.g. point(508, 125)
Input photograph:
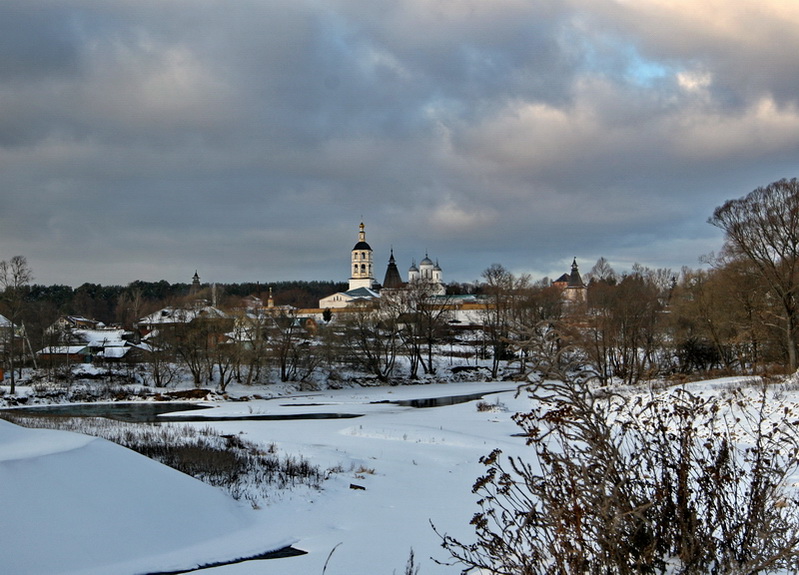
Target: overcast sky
point(246, 139)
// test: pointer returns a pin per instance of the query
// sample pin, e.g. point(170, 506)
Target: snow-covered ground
point(72, 504)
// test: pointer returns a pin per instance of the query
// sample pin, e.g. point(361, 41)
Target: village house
point(80, 339)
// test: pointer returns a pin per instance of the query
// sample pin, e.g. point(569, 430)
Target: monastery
point(362, 284)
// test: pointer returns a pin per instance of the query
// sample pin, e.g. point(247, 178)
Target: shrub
point(670, 484)
point(485, 406)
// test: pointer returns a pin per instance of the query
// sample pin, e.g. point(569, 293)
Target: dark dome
point(362, 246)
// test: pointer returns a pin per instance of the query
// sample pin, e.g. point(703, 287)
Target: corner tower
point(574, 290)
point(362, 272)
point(393, 279)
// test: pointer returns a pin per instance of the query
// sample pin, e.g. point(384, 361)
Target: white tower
point(362, 273)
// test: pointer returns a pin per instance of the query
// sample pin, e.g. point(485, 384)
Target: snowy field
point(73, 504)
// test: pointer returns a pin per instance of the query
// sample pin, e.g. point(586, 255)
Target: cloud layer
point(144, 139)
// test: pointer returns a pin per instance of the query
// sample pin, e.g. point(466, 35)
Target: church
point(362, 284)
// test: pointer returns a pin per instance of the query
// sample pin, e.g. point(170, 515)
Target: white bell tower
point(361, 266)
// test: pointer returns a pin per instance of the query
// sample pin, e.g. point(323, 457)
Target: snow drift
point(77, 504)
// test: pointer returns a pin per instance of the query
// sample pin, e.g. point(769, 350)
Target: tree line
point(112, 304)
point(738, 314)
point(672, 482)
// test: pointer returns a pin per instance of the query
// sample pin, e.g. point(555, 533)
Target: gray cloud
point(143, 139)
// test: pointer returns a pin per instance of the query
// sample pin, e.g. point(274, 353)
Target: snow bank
point(77, 504)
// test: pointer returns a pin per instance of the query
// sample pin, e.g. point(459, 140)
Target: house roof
point(114, 352)
point(63, 350)
point(101, 337)
point(173, 315)
point(362, 293)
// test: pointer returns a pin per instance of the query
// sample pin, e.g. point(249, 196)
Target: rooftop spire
point(574, 278)
point(393, 280)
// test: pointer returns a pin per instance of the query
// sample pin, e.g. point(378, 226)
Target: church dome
point(426, 261)
point(362, 245)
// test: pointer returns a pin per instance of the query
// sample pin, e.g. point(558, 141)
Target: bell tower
point(361, 265)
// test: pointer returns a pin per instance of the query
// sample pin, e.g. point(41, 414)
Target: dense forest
point(114, 304)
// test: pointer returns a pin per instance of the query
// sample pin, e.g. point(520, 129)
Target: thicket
point(670, 483)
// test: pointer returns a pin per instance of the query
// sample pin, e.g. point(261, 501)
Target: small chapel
point(362, 284)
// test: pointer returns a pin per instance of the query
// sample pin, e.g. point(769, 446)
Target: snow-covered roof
point(4, 321)
point(144, 345)
point(101, 337)
point(174, 315)
point(362, 293)
point(114, 352)
point(63, 350)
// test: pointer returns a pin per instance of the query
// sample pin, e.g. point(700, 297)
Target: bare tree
point(623, 329)
point(194, 344)
point(536, 309)
point(422, 317)
point(763, 227)
point(370, 335)
point(720, 318)
point(409, 326)
point(225, 355)
point(498, 285)
point(250, 333)
point(602, 271)
point(161, 358)
point(129, 307)
point(291, 346)
point(15, 276)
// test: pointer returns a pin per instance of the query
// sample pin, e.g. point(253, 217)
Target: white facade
point(348, 298)
point(362, 266)
point(428, 272)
